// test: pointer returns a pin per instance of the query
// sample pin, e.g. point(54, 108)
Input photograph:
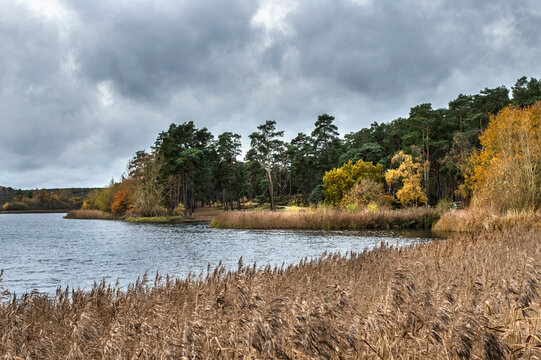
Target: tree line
point(44, 199)
point(429, 154)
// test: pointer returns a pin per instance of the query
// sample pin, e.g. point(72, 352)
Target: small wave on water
point(45, 251)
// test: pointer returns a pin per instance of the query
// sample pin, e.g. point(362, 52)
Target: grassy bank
point(476, 220)
point(88, 214)
point(199, 215)
point(417, 218)
point(467, 297)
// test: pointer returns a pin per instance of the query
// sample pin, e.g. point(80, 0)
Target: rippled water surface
point(43, 251)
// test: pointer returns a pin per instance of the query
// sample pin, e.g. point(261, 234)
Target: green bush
point(317, 196)
point(444, 205)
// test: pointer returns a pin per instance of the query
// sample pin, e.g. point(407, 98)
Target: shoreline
point(36, 211)
point(199, 215)
point(443, 223)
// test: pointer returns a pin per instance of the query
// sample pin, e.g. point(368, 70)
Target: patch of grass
point(88, 214)
point(325, 219)
point(468, 297)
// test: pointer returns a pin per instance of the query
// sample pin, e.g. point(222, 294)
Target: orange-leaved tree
point(122, 200)
point(506, 173)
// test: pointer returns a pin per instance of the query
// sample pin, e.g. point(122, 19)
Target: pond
point(44, 251)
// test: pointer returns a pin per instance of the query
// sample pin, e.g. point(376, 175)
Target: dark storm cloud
point(151, 50)
point(391, 47)
point(84, 88)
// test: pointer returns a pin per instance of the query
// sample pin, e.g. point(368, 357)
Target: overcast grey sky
point(85, 84)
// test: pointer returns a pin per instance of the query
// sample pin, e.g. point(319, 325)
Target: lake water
point(44, 251)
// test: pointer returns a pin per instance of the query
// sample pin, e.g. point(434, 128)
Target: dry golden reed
point(88, 214)
point(476, 220)
point(468, 297)
point(328, 219)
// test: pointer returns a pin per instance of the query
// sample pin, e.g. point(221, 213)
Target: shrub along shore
point(471, 296)
point(89, 214)
point(335, 219)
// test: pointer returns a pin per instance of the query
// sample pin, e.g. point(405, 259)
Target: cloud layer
point(83, 85)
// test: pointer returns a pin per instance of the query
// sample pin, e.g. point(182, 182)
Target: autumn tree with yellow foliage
point(506, 173)
point(409, 174)
point(337, 182)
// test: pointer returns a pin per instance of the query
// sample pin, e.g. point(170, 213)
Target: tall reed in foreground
point(328, 219)
point(469, 297)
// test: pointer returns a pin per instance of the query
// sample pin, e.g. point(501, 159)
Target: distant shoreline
point(35, 211)
point(202, 214)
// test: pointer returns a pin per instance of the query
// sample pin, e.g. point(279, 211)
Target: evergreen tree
point(265, 143)
point(327, 145)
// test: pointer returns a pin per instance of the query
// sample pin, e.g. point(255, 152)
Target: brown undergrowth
point(476, 220)
point(414, 218)
point(469, 297)
point(88, 214)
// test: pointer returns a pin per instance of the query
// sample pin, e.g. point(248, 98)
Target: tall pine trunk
point(271, 186)
point(224, 202)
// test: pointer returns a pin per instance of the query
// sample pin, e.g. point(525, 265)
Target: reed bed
point(476, 220)
point(88, 214)
point(415, 218)
point(469, 297)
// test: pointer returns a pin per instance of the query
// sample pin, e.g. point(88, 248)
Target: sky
point(86, 84)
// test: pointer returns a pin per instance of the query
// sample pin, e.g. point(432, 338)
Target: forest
point(431, 156)
point(42, 199)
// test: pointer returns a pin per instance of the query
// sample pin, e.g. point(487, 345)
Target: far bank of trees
point(57, 199)
point(422, 159)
